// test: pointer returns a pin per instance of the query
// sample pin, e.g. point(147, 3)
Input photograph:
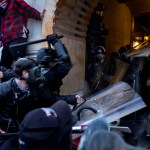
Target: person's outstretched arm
point(28, 11)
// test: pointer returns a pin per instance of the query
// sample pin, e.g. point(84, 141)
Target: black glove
point(71, 99)
point(52, 38)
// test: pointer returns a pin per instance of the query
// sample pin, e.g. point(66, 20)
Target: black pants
point(12, 54)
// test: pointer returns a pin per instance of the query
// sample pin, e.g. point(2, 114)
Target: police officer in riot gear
point(95, 64)
point(22, 94)
point(55, 64)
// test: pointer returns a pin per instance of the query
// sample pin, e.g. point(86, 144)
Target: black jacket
point(55, 74)
point(14, 103)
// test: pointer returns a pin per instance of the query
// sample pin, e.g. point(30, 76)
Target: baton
point(49, 39)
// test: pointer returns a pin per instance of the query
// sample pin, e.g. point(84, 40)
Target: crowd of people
point(28, 84)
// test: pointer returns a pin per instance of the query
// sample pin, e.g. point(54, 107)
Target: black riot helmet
point(100, 49)
point(44, 55)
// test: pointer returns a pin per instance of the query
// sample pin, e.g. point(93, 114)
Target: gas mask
point(36, 77)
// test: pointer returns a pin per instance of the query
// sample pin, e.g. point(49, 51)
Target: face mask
point(35, 76)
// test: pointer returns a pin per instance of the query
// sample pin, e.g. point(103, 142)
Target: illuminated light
point(145, 38)
point(138, 38)
point(135, 43)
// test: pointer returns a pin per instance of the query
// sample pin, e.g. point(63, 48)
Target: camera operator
point(55, 64)
point(24, 93)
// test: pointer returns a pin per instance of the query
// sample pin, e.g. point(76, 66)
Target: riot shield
point(113, 102)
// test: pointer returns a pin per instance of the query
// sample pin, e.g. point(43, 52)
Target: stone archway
point(69, 18)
